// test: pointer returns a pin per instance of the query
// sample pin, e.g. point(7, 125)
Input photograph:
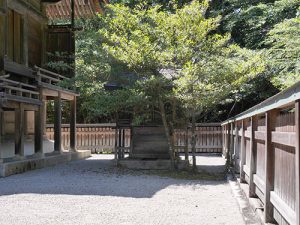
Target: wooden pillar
point(57, 123)
point(73, 125)
point(116, 143)
point(243, 154)
point(270, 120)
point(297, 160)
point(123, 144)
point(19, 131)
point(1, 125)
point(131, 141)
point(39, 129)
point(72, 13)
point(120, 144)
point(252, 156)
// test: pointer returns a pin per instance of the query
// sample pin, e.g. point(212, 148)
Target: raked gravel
point(92, 191)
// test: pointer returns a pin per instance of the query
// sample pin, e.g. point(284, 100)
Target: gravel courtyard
point(92, 191)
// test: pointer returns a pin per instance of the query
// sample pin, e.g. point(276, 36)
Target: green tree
point(210, 67)
point(283, 54)
point(177, 49)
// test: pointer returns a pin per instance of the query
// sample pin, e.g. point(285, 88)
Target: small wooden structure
point(264, 145)
point(149, 142)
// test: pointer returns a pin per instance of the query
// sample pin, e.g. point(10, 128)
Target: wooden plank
point(246, 170)
point(270, 118)
point(247, 134)
point(260, 135)
point(259, 182)
point(286, 211)
point(297, 160)
point(284, 138)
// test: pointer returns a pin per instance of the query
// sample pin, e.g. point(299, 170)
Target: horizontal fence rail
point(263, 145)
point(101, 137)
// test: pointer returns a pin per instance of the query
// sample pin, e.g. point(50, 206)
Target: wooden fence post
point(243, 154)
point(231, 152)
point(236, 150)
point(228, 142)
point(252, 168)
point(270, 121)
point(297, 160)
point(116, 144)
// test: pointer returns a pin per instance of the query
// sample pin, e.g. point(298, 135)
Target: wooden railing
point(17, 89)
point(263, 145)
point(101, 137)
point(48, 77)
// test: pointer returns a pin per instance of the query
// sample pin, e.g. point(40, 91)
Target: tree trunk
point(194, 139)
point(167, 131)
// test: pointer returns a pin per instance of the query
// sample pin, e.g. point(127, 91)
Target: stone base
point(151, 164)
point(23, 165)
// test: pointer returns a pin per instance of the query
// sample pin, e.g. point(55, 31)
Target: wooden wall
point(269, 160)
point(34, 42)
point(26, 23)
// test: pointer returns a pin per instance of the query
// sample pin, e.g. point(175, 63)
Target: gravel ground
point(92, 191)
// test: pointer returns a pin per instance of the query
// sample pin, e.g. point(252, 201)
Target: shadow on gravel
point(100, 177)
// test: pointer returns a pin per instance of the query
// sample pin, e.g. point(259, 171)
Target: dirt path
point(93, 192)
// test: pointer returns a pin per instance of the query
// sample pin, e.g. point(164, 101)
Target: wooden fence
point(263, 144)
point(208, 138)
point(101, 137)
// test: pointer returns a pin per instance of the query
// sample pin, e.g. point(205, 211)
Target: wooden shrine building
point(26, 84)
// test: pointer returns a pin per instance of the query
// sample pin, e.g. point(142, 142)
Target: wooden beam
point(284, 138)
point(19, 131)
point(57, 124)
point(73, 125)
point(269, 165)
point(297, 160)
point(252, 157)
